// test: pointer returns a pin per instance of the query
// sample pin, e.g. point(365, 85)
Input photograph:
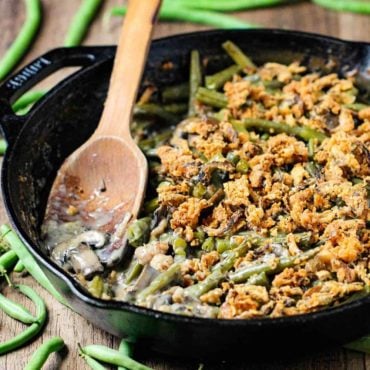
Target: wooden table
point(62, 321)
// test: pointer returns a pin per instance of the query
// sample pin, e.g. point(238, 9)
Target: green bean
point(353, 6)
point(155, 110)
point(32, 267)
point(242, 275)
point(356, 106)
point(231, 6)
point(40, 356)
point(176, 108)
point(218, 272)
point(219, 79)
point(174, 12)
point(211, 97)
point(209, 244)
point(311, 147)
point(81, 22)
point(24, 39)
point(303, 132)
point(179, 246)
point(113, 357)
point(258, 279)
point(3, 146)
point(19, 267)
point(151, 205)
point(195, 80)
point(7, 261)
point(242, 166)
point(95, 365)
point(359, 345)
point(175, 93)
point(16, 311)
point(125, 348)
point(134, 271)
point(222, 245)
point(138, 231)
point(160, 282)
point(242, 60)
point(27, 99)
point(29, 333)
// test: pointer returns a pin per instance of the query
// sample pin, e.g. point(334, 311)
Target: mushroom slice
point(84, 261)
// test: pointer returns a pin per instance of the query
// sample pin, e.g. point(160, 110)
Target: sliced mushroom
point(84, 261)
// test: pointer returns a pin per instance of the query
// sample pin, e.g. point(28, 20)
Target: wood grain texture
point(72, 327)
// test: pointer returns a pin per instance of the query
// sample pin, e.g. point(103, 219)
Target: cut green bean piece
point(175, 93)
point(356, 106)
point(195, 80)
point(210, 97)
point(134, 271)
point(303, 132)
point(113, 357)
point(41, 355)
point(154, 110)
point(3, 146)
point(242, 275)
point(138, 231)
point(235, 53)
point(258, 279)
point(96, 286)
point(216, 81)
point(24, 39)
point(160, 282)
point(81, 22)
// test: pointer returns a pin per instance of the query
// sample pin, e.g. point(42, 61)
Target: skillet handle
point(42, 67)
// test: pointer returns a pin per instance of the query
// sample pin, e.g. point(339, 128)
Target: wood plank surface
point(72, 327)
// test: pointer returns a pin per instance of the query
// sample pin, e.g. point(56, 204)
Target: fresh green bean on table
point(41, 355)
point(29, 333)
point(7, 261)
point(19, 267)
point(27, 99)
point(112, 356)
point(95, 365)
point(230, 5)
point(354, 6)
point(15, 310)
point(24, 39)
point(126, 349)
point(3, 146)
point(81, 22)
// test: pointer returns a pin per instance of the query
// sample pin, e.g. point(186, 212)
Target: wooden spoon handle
point(128, 68)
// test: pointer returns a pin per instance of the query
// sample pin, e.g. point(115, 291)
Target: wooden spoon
point(103, 182)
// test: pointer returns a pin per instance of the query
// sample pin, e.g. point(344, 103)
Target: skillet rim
point(76, 289)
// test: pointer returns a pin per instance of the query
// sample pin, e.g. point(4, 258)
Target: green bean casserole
point(257, 203)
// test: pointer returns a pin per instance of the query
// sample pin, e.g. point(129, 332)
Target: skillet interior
point(66, 118)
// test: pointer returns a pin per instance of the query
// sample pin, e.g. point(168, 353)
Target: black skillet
point(64, 119)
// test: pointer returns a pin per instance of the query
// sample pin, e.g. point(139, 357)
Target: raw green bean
point(7, 261)
point(242, 275)
point(3, 146)
point(95, 365)
point(138, 231)
point(218, 79)
point(113, 357)
point(211, 97)
point(195, 80)
point(303, 132)
point(81, 22)
point(24, 39)
point(175, 93)
point(16, 311)
point(218, 272)
point(40, 356)
point(32, 267)
point(160, 282)
point(353, 6)
point(29, 333)
point(242, 60)
point(231, 6)
point(19, 267)
point(155, 110)
point(126, 349)
point(133, 271)
point(27, 99)
point(359, 345)
point(173, 12)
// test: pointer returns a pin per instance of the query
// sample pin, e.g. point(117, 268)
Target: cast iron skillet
point(64, 119)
